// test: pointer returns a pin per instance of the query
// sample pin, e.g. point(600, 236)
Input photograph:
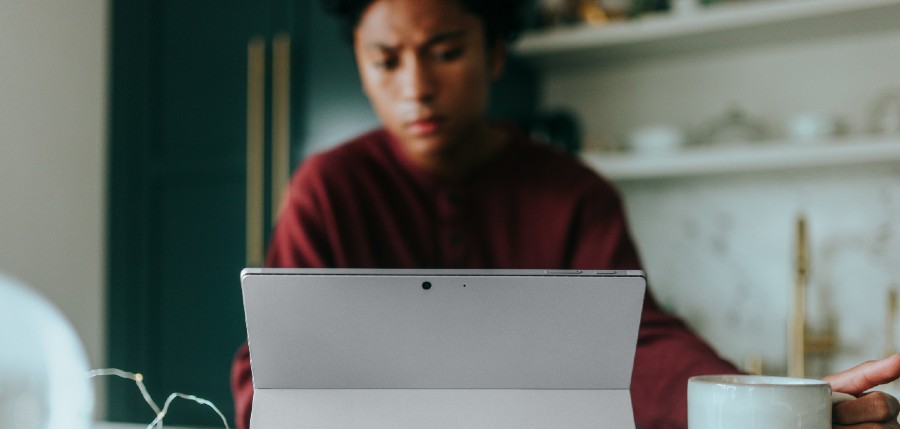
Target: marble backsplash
point(718, 250)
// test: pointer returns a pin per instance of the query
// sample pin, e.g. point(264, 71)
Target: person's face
point(427, 70)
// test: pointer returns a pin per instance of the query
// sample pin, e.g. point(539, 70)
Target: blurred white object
point(812, 126)
point(656, 139)
point(43, 366)
point(885, 115)
point(685, 6)
point(734, 127)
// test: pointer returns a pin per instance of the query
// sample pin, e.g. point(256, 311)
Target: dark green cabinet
point(197, 86)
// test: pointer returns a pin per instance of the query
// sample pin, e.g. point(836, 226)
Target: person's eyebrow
point(384, 47)
point(433, 40)
point(446, 36)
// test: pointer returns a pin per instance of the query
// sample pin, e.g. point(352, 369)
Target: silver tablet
point(351, 348)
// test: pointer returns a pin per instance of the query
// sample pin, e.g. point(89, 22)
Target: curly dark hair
point(502, 19)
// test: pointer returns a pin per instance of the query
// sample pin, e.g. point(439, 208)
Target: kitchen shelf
point(751, 157)
point(723, 26)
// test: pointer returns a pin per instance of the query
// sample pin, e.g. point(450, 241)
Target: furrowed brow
point(433, 40)
point(445, 37)
point(382, 47)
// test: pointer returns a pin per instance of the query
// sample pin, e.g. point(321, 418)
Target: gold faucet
point(889, 347)
point(799, 341)
point(797, 323)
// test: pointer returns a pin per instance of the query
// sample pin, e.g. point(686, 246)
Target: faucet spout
point(889, 347)
point(797, 320)
point(801, 341)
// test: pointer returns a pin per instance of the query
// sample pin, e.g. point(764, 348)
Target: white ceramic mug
point(759, 402)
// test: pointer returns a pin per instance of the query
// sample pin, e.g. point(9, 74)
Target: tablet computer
point(352, 348)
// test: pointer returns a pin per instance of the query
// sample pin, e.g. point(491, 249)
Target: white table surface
point(110, 425)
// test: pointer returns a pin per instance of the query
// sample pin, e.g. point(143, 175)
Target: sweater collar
point(494, 166)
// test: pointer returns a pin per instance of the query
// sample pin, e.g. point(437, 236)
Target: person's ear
point(497, 60)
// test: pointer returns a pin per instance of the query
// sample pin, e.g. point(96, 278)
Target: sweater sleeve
point(668, 352)
point(242, 387)
point(298, 240)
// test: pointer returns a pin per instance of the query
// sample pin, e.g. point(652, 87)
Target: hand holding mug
point(870, 410)
point(759, 402)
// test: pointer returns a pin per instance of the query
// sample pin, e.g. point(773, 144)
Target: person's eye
point(449, 54)
point(388, 63)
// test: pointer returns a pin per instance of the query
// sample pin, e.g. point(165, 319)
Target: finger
point(866, 375)
point(871, 407)
point(888, 425)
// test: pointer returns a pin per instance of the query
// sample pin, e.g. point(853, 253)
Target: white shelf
point(725, 26)
point(752, 157)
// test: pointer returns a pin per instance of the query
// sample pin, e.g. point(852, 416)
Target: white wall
point(719, 252)
point(718, 248)
point(53, 87)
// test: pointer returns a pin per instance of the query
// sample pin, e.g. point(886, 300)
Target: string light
point(138, 379)
point(172, 397)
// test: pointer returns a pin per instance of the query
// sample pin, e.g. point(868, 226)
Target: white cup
point(812, 126)
point(656, 140)
point(759, 402)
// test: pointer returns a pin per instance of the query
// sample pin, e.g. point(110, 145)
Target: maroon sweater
point(364, 205)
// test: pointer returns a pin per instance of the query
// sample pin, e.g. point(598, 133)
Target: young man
point(440, 186)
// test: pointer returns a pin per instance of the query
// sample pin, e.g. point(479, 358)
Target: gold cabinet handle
point(256, 93)
point(281, 119)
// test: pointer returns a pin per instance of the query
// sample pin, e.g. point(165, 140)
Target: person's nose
point(418, 81)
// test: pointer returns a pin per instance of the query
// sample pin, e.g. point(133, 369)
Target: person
point(441, 186)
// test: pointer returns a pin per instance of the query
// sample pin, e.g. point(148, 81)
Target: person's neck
point(472, 151)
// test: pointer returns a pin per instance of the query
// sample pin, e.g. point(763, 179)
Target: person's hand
point(869, 410)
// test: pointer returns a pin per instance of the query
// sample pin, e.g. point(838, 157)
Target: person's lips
point(425, 126)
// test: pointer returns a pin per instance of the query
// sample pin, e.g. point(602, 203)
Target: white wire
point(161, 414)
point(139, 380)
